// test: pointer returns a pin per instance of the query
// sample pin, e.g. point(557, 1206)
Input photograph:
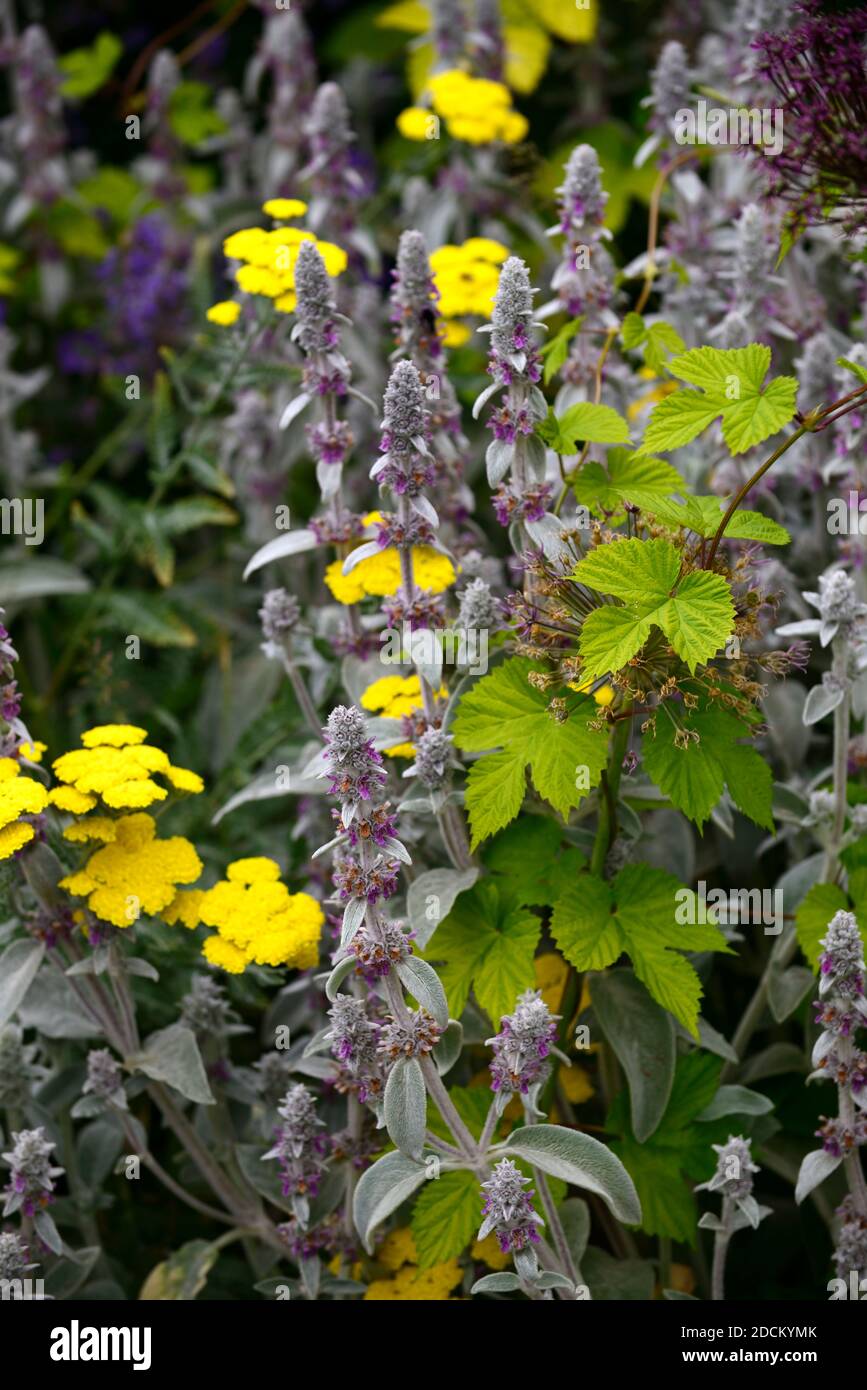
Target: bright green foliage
point(192, 115)
point(695, 611)
point(644, 482)
point(730, 382)
point(556, 351)
point(656, 339)
point(446, 1217)
point(88, 69)
point(679, 1148)
point(596, 424)
point(528, 863)
point(693, 777)
point(504, 711)
point(487, 944)
point(595, 922)
point(816, 909)
point(704, 514)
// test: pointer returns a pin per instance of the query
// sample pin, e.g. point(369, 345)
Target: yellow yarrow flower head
point(269, 258)
point(135, 873)
point(379, 575)
point(224, 313)
point(466, 278)
point(258, 920)
point(397, 697)
point(117, 766)
point(284, 208)
point(474, 109)
point(19, 797)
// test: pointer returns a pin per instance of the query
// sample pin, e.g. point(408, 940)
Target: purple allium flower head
point(523, 1046)
point(508, 1209)
point(817, 71)
point(31, 1184)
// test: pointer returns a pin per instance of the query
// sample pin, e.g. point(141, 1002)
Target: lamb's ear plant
point(415, 665)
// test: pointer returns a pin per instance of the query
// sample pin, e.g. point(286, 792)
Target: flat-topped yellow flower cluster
point(257, 919)
point(117, 767)
point(474, 109)
point(135, 872)
point(19, 796)
point(379, 575)
point(268, 260)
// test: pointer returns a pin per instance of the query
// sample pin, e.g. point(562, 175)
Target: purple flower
point(508, 1209)
point(522, 1047)
point(300, 1149)
point(817, 69)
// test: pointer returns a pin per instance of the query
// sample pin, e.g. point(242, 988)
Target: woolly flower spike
point(207, 1011)
point(839, 611)
point(354, 1041)
point(522, 1048)
point(315, 308)
point(13, 1256)
point(433, 759)
point(733, 1179)
point(842, 960)
point(851, 1249)
point(513, 311)
point(508, 1209)
point(489, 49)
point(104, 1078)
point(413, 1038)
point(734, 1170)
point(669, 87)
point(582, 200)
point(279, 613)
point(414, 296)
point(354, 766)
point(31, 1183)
point(406, 465)
point(479, 610)
point(17, 1070)
point(449, 32)
point(299, 1149)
